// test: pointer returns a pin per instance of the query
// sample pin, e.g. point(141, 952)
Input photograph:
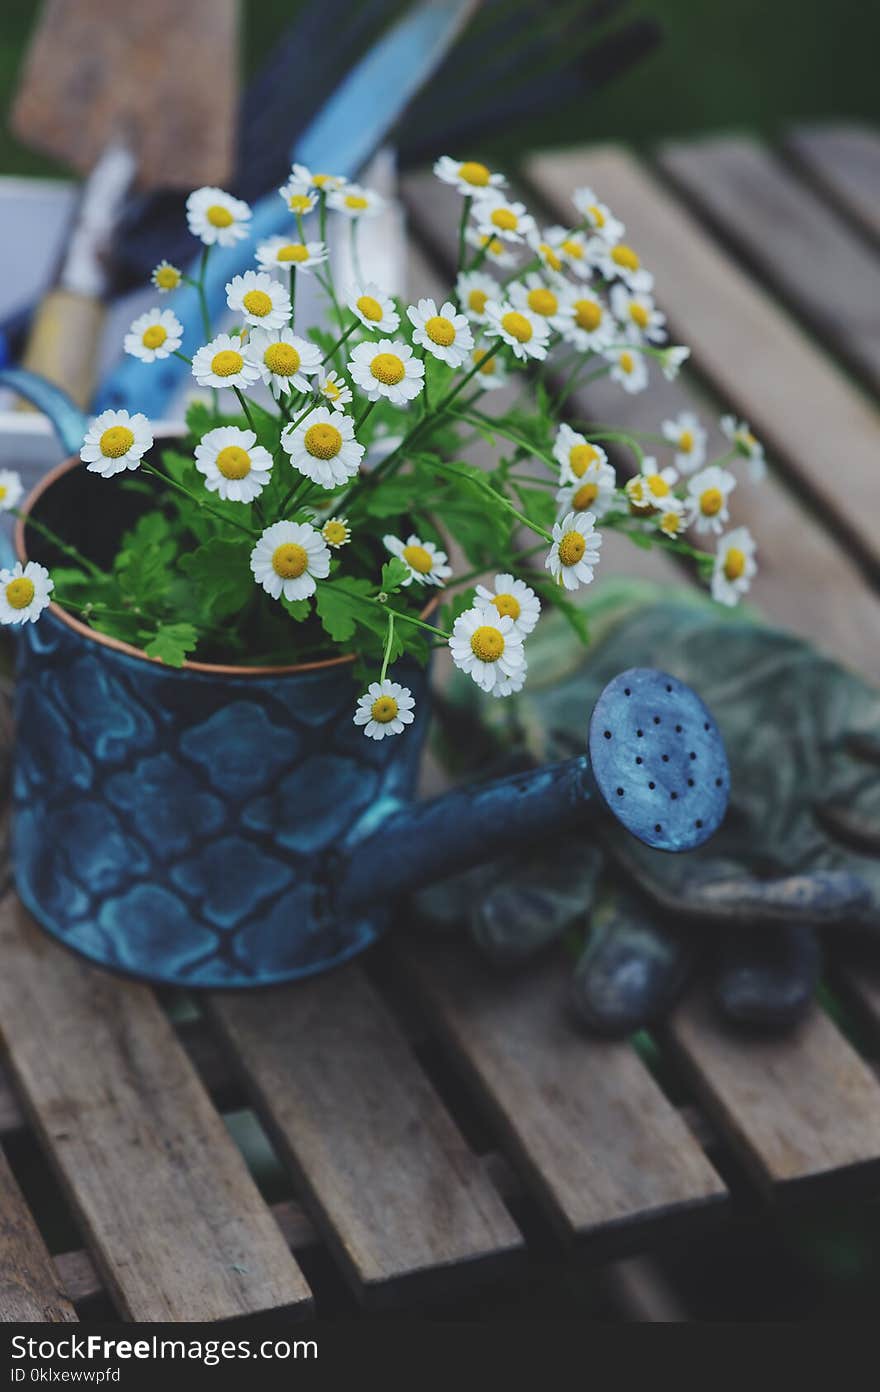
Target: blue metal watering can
point(215, 826)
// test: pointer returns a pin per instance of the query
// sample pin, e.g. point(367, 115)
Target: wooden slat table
point(431, 1123)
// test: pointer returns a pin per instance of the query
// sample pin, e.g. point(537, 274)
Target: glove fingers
point(765, 977)
point(633, 967)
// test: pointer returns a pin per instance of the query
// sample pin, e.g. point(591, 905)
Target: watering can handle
point(68, 421)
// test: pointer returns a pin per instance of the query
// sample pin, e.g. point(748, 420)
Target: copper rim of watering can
point(211, 668)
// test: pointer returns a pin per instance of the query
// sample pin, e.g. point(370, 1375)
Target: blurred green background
point(744, 63)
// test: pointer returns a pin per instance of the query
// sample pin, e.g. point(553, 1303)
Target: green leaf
point(199, 418)
point(172, 643)
point(392, 499)
point(538, 504)
point(298, 609)
point(339, 607)
point(394, 573)
point(220, 575)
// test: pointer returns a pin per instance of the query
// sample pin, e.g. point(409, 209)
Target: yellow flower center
point(686, 441)
point(585, 497)
point(658, 485)
point(320, 180)
point(167, 277)
point(477, 300)
point(474, 173)
point(746, 439)
point(293, 251)
point(218, 216)
point(335, 533)
point(489, 366)
point(573, 248)
point(671, 523)
point(370, 308)
point(290, 560)
point(711, 501)
point(587, 314)
point(505, 219)
point(323, 441)
point(258, 302)
point(282, 359)
point(331, 389)
point(417, 558)
point(550, 255)
point(597, 215)
point(154, 336)
point(638, 314)
point(494, 245)
point(383, 709)
point(227, 363)
point(299, 203)
point(627, 362)
point(580, 457)
point(624, 256)
point(542, 301)
point(487, 643)
point(388, 368)
point(571, 548)
point(734, 563)
point(20, 592)
point(234, 462)
point(356, 202)
point(116, 441)
point(517, 325)
point(507, 605)
point(440, 330)
point(635, 491)
point(3, 491)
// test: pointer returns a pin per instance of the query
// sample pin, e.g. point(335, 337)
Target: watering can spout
point(655, 760)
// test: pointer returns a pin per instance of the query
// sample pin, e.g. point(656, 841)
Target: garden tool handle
point(68, 421)
point(429, 840)
point(63, 342)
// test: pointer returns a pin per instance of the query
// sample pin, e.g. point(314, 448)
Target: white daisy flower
point(575, 550)
point(688, 437)
point(538, 296)
point(388, 368)
point(570, 246)
point(708, 494)
point(547, 249)
point(115, 441)
point(288, 558)
point(298, 197)
point(526, 333)
point(336, 532)
point(323, 447)
point(426, 563)
point(735, 566)
point(594, 492)
point(282, 253)
point(628, 368)
point(494, 248)
point(301, 174)
point(11, 489)
point(284, 360)
point(620, 262)
point(671, 519)
point(651, 489)
point(576, 455)
point(262, 301)
point(386, 708)
point(511, 598)
point(468, 176)
point(334, 389)
point(587, 322)
point(216, 217)
point(376, 310)
point(224, 363)
point(156, 334)
point(443, 333)
point(474, 289)
point(166, 277)
point(235, 467)
point(24, 593)
point(672, 359)
point(355, 201)
point(739, 434)
point(489, 649)
point(598, 216)
point(497, 216)
point(493, 374)
point(637, 315)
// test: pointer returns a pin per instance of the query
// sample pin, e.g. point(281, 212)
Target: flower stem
point(203, 298)
point(200, 502)
point(242, 400)
point(30, 521)
point(462, 228)
point(339, 342)
point(364, 414)
point(389, 639)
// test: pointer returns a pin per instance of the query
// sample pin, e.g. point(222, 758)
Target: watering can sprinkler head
point(655, 761)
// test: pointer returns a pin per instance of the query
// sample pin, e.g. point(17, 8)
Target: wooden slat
point(843, 161)
point(395, 1189)
point(593, 1135)
point(812, 419)
point(826, 272)
point(174, 1220)
point(803, 1108)
point(29, 1286)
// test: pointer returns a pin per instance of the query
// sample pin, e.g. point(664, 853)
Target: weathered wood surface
point(29, 1285)
point(843, 161)
point(394, 1187)
point(175, 1222)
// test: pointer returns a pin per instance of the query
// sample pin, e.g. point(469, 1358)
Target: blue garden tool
point(219, 826)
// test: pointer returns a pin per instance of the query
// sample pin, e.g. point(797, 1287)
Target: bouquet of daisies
point(323, 502)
